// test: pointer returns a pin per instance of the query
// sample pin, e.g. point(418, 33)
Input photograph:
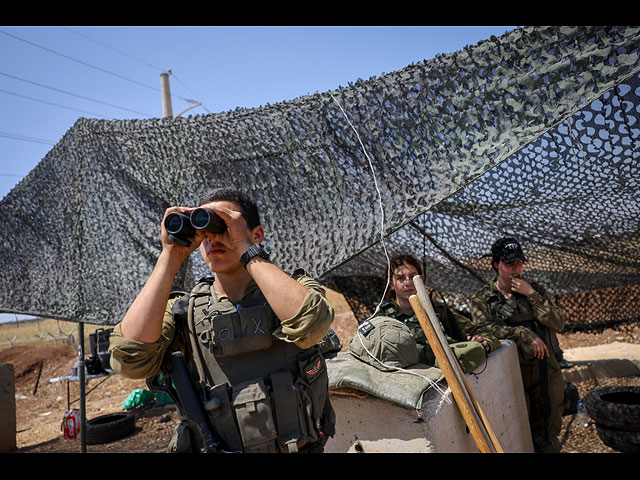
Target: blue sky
point(51, 76)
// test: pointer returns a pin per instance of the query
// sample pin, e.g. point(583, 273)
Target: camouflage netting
point(534, 134)
point(571, 198)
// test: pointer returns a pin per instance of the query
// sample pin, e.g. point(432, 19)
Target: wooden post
point(471, 410)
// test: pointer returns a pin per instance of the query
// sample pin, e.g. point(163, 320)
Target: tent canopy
point(534, 134)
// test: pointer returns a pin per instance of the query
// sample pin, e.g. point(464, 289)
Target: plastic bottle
point(583, 420)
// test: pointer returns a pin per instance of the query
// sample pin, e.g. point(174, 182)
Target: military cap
point(507, 250)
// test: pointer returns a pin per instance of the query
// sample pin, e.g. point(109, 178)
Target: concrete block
point(368, 424)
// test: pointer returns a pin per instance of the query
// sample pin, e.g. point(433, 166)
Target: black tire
point(616, 408)
point(620, 440)
point(107, 428)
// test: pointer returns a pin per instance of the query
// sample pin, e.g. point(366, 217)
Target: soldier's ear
point(257, 234)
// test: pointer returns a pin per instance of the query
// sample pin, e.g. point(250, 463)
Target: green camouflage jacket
point(491, 310)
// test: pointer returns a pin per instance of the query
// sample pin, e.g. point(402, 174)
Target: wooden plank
point(471, 410)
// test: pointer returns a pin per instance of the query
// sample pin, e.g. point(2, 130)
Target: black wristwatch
point(256, 251)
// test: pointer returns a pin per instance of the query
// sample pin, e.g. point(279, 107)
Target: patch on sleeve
point(314, 368)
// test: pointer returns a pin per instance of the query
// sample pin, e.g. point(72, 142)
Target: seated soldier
point(461, 333)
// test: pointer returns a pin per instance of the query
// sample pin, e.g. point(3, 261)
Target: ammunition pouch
point(276, 413)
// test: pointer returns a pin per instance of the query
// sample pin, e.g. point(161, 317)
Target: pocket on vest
point(252, 406)
point(242, 332)
point(290, 407)
point(276, 417)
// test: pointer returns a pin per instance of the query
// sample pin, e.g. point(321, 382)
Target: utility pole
point(167, 110)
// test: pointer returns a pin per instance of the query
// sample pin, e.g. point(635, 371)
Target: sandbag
point(405, 387)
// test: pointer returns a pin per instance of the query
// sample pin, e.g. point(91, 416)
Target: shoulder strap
point(197, 354)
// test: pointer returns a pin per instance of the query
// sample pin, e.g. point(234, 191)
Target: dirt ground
point(41, 404)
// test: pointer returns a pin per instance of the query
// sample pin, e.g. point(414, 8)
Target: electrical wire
point(115, 49)
point(382, 226)
point(72, 94)
point(92, 66)
point(411, 372)
point(143, 62)
point(49, 103)
point(80, 61)
point(382, 221)
point(26, 139)
point(185, 86)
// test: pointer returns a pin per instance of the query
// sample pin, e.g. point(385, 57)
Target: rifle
point(179, 387)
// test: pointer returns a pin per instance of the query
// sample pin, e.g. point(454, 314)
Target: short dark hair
point(248, 207)
point(399, 260)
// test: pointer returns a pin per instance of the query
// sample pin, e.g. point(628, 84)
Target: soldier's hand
point(237, 235)
point(481, 340)
point(540, 350)
point(173, 248)
point(520, 285)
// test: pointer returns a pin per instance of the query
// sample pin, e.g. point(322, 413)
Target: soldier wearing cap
point(520, 310)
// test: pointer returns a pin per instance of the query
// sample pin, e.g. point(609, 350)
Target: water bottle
point(583, 420)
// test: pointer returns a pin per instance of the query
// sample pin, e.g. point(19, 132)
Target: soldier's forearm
point(143, 320)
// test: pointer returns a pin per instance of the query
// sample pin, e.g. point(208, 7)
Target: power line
point(26, 139)
point(86, 64)
point(185, 86)
point(79, 61)
point(72, 94)
point(116, 50)
point(144, 63)
point(49, 103)
point(38, 140)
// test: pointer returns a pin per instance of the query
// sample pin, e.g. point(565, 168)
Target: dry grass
point(25, 332)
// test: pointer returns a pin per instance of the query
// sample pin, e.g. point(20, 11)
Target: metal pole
point(81, 380)
point(167, 109)
point(188, 108)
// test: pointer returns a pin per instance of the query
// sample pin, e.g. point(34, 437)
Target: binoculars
point(181, 227)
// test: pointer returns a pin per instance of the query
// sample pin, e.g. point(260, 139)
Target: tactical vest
point(449, 326)
point(522, 315)
point(262, 394)
point(469, 354)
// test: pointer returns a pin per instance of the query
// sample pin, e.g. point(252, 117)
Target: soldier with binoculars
point(249, 332)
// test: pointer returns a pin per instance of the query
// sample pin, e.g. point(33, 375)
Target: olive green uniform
point(456, 327)
point(291, 340)
point(521, 319)
point(135, 359)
